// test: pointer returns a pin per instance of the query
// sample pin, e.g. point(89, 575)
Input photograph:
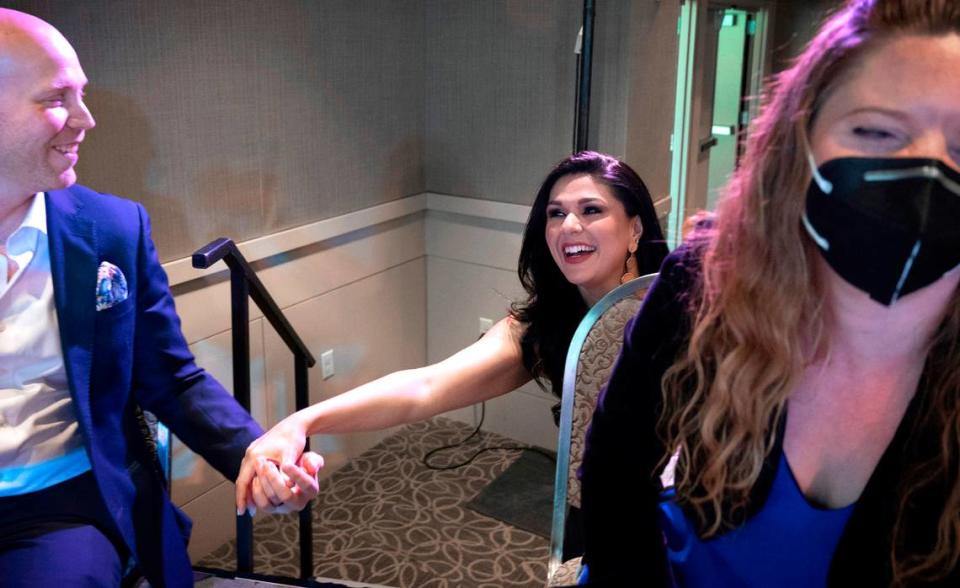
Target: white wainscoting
point(471, 273)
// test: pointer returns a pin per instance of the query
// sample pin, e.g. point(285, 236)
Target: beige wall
point(500, 88)
point(242, 118)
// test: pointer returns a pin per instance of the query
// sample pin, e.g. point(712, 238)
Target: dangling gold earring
point(631, 272)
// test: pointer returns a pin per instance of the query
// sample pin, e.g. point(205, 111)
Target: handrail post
point(239, 292)
point(581, 121)
point(244, 284)
point(302, 400)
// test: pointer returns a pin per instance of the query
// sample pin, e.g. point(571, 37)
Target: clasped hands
point(276, 476)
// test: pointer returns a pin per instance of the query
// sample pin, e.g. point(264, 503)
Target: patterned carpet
point(386, 519)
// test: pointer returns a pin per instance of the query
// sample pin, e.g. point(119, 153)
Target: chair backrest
point(590, 358)
point(157, 437)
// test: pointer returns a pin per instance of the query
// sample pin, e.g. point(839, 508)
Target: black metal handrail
point(245, 284)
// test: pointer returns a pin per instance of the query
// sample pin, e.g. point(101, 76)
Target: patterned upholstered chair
point(590, 358)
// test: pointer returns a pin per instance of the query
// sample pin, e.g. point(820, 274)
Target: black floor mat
point(522, 495)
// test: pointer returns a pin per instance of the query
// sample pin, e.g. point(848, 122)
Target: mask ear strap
point(825, 185)
point(927, 171)
point(948, 183)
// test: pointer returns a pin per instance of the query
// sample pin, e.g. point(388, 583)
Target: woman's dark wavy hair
point(554, 307)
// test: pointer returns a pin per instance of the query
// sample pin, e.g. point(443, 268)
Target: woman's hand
point(285, 489)
point(275, 475)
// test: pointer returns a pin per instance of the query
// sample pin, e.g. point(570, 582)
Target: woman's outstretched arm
point(489, 367)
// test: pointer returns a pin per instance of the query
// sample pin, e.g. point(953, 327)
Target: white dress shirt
point(40, 440)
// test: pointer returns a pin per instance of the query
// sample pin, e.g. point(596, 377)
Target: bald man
point(88, 332)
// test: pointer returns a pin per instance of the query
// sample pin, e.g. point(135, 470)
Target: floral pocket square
point(111, 286)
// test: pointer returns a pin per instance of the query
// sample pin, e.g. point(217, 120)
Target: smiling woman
point(587, 231)
point(612, 223)
point(592, 219)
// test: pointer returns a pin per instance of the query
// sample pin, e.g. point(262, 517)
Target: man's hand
point(274, 475)
point(288, 488)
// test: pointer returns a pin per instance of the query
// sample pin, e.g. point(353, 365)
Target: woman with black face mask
point(795, 372)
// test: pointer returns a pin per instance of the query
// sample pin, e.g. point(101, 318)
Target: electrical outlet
point(485, 325)
point(326, 363)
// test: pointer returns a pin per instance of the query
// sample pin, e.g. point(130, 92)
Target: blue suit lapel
point(73, 265)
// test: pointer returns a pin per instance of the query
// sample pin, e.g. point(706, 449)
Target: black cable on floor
point(476, 431)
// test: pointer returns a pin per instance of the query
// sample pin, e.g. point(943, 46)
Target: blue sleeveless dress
point(788, 544)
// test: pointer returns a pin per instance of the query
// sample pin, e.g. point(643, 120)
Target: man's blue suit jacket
point(132, 354)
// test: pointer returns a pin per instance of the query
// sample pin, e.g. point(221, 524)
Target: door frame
point(684, 145)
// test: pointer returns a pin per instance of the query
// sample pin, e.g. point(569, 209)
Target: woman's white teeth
point(577, 249)
point(66, 148)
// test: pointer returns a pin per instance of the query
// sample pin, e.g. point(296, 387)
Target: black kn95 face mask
point(888, 226)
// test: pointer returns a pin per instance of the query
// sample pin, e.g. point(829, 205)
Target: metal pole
point(301, 382)
point(239, 292)
point(581, 125)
